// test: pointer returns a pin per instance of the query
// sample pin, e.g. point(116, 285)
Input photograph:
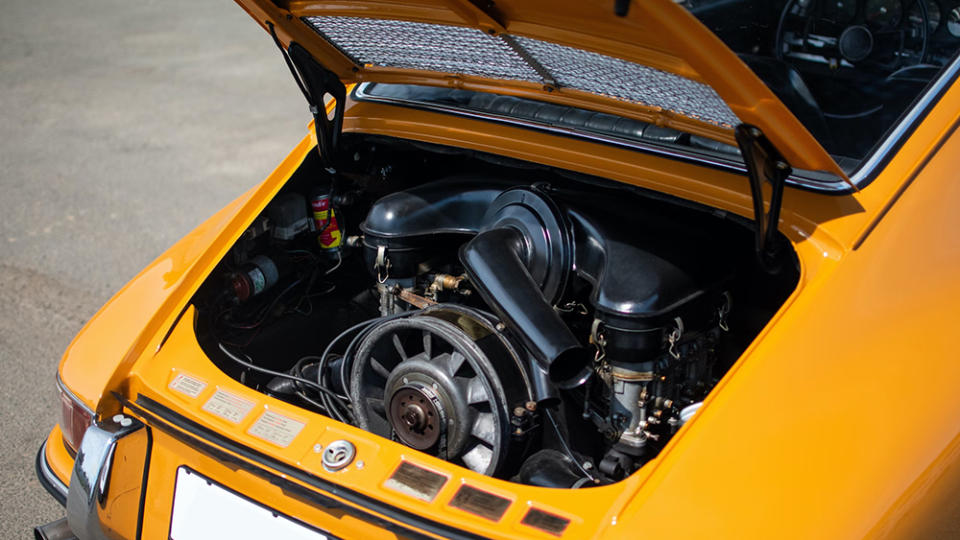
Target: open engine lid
point(650, 60)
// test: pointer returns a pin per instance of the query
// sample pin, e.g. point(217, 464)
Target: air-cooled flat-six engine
point(554, 333)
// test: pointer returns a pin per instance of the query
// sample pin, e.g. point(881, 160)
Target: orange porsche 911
point(554, 269)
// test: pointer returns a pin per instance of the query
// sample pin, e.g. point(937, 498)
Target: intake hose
point(496, 262)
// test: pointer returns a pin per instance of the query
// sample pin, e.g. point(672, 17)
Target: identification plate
point(228, 406)
point(416, 481)
point(203, 510)
point(545, 521)
point(479, 502)
point(276, 428)
point(185, 384)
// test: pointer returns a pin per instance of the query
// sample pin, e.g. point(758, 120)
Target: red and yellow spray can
point(325, 220)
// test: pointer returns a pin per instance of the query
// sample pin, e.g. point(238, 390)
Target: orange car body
point(840, 420)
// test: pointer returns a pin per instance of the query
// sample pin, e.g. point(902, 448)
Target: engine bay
point(525, 322)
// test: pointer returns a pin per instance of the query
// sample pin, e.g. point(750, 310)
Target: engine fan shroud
point(440, 381)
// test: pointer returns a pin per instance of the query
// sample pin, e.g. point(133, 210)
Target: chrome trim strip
point(735, 167)
point(926, 102)
point(49, 479)
point(63, 388)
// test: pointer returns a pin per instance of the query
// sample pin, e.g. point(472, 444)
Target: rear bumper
point(48, 479)
point(104, 494)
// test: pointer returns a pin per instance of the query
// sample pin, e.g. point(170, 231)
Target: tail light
point(75, 417)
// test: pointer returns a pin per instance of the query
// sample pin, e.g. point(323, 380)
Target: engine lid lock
point(338, 455)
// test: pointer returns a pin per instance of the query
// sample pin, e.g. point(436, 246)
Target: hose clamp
point(382, 265)
point(723, 311)
point(674, 337)
point(599, 340)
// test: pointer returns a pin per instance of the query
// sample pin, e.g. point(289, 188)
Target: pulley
point(441, 381)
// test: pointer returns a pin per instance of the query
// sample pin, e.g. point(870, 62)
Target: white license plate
point(203, 510)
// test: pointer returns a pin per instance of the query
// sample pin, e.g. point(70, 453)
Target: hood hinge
point(764, 163)
point(316, 82)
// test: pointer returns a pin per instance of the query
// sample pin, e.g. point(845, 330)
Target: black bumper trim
point(214, 444)
point(48, 479)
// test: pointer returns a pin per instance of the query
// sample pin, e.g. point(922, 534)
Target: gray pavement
point(122, 126)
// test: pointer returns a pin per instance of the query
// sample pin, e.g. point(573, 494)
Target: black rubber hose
point(494, 261)
point(313, 384)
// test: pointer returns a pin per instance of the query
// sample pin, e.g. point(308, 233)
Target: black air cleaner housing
point(528, 244)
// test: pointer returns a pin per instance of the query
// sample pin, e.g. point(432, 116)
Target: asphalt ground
point(122, 126)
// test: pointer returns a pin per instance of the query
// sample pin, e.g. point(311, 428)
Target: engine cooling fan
point(441, 381)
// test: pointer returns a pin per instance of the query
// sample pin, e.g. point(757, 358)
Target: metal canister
point(325, 220)
point(257, 275)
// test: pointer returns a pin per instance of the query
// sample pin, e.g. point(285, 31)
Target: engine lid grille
point(469, 51)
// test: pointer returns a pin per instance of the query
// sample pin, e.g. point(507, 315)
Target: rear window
point(857, 73)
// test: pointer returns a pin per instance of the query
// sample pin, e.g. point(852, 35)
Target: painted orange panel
point(840, 420)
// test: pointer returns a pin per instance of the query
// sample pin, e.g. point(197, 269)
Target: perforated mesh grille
point(613, 77)
point(432, 47)
point(469, 51)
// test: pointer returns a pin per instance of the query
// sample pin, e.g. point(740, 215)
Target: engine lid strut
point(316, 82)
point(764, 163)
